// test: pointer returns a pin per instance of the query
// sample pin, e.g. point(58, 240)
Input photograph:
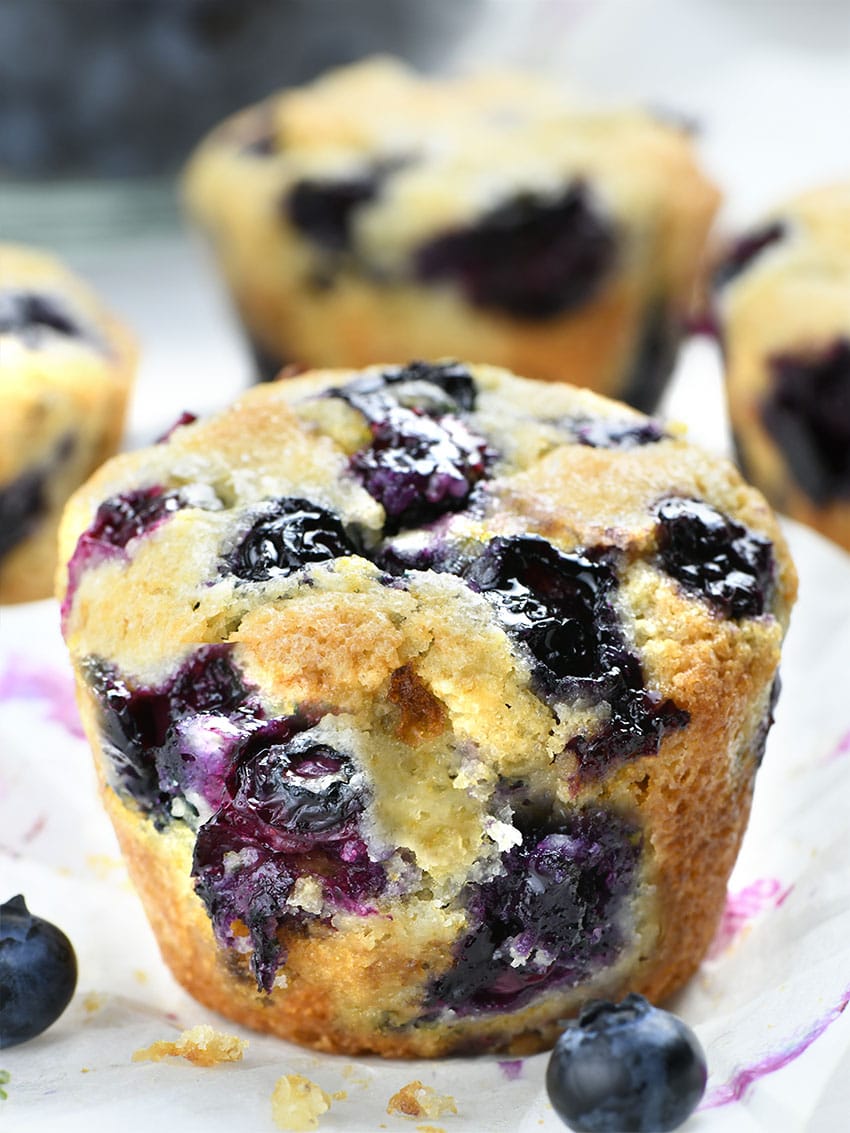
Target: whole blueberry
point(625, 1068)
point(38, 973)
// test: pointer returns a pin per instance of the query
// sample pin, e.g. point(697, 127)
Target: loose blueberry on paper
point(627, 1066)
point(38, 973)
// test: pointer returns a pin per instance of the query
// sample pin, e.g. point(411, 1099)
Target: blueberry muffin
point(426, 700)
point(66, 368)
point(783, 312)
point(375, 215)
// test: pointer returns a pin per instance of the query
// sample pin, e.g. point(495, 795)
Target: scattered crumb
point(140, 975)
point(430, 1129)
point(103, 865)
point(201, 1045)
point(297, 1103)
point(93, 1001)
point(339, 1095)
point(416, 1100)
point(85, 1070)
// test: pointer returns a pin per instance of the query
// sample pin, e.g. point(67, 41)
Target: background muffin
point(66, 368)
point(426, 701)
point(375, 214)
point(783, 310)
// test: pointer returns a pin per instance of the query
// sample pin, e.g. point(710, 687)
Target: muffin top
point(378, 161)
point(55, 336)
point(437, 552)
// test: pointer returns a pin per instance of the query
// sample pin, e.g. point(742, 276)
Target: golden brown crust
point(455, 148)
point(423, 684)
point(63, 410)
point(792, 301)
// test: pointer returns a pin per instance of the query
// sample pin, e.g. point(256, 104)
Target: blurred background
point(102, 100)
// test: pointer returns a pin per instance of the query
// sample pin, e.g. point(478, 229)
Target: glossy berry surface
point(625, 1067)
point(807, 412)
point(560, 607)
point(715, 557)
point(746, 250)
point(29, 315)
point(552, 917)
point(176, 740)
point(38, 973)
point(290, 534)
point(419, 468)
point(532, 257)
point(290, 810)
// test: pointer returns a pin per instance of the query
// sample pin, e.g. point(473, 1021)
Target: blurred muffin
point(782, 299)
point(66, 368)
point(426, 701)
point(375, 215)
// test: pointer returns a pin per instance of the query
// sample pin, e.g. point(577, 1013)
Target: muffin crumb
point(418, 1100)
point(201, 1045)
point(297, 1103)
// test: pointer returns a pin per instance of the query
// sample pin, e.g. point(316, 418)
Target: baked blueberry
point(555, 913)
point(38, 973)
point(627, 1066)
point(532, 257)
point(746, 250)
point(31, 314)
point(604, 432)
point(807, 413)
point(323, 210)
point(290, 533)
point(715, 557)
point(290, 811)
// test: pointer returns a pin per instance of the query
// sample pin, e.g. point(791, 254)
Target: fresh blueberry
point(531, 257)
point(717, 558)
point(627, 1066)
point(38, 973)
point(746, 250)
point(807, 412)
point(553, 916)
point(288, 535)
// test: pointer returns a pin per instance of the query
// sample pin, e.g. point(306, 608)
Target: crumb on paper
point(339, 1095)
point(201, 1045)
point(93, 1001)
point(297, 1103)
point(430, 1129)
point(417, 1100)
point(104, 866)
point(140, 975)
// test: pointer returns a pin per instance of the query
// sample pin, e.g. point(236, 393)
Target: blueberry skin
point(38, 973)
point(625, 1068)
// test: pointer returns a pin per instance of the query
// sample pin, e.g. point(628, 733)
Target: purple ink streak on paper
point(23, 680)
point(743, 1079)
point(744, 906)
point(511, 1068)
point(842, 748)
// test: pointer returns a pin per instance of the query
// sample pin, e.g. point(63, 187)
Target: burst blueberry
point(38, 973)
point(807, 412)
point(290, 533)
point(627, 1066)
point(532, 257)
point(716, 557)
